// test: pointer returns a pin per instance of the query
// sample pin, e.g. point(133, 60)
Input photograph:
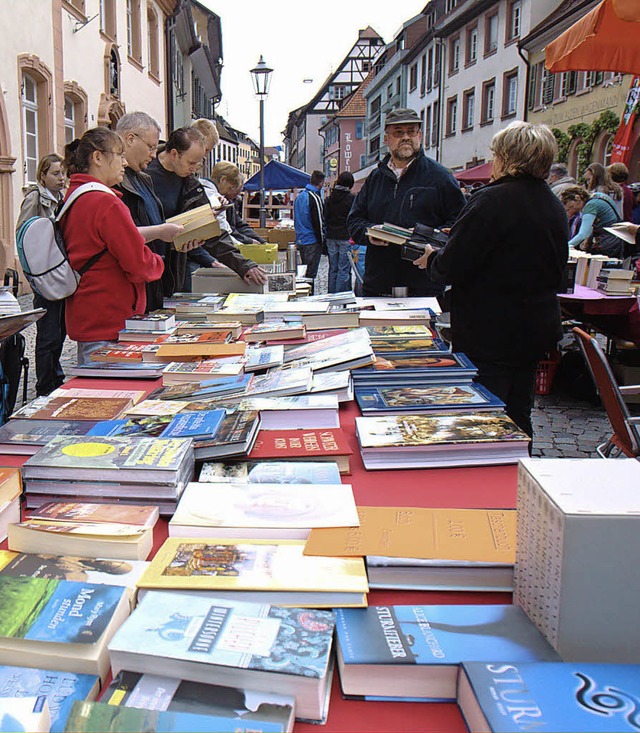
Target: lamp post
point(261, 77)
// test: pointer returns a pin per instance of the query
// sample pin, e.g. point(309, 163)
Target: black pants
point(310, 256)
point(50, 335)
point(514, 384)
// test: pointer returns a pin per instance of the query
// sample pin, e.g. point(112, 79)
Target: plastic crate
point(545, 373)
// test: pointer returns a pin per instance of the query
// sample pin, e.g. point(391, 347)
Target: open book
point(621, 231)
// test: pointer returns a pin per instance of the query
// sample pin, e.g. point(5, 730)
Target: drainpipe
point(527, 84)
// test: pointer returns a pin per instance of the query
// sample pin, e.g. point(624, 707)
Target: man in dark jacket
point(174, 174)
point(406, 188)
point(336, 211)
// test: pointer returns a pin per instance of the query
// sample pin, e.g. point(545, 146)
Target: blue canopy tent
point(277, 177)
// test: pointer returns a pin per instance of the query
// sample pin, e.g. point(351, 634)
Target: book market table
point(481, 487)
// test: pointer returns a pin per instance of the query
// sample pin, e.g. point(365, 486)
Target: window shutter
point(533, 76)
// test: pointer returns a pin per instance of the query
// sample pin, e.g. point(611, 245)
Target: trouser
point(339, 265)
point(310, 256)
point(86, 348)
point(50, 335)
point(514, 384)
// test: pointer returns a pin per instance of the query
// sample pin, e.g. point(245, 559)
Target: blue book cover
point(56, 611)
point(417, 399)
point(272, 472)
point(203, 424)
point(60, 688)
point(203, 390)
point(97, 717)
point(142, 426)
point(563, 697)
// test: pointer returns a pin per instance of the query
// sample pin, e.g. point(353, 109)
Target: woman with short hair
point(505, 260)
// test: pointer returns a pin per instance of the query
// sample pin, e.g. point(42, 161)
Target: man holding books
point(405, 188)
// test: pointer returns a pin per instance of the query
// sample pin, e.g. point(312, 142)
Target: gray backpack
point(43, 254)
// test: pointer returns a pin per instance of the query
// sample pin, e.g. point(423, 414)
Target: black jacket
point(241, 230)
point(505, 260)
point(135, 203)
point(336, 211)
point(426, 193)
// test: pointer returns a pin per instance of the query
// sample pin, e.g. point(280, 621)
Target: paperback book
point(195, 425)
point(271, 472)
point(74, 408)
point(235, 436)
point(26, 437)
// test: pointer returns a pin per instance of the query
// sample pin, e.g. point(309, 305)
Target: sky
point(299, 40)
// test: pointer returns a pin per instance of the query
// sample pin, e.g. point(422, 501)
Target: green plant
point(564, 142)
point(588, 134)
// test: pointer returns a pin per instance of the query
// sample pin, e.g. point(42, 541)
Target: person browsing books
point(112, 290)
point(597, 212)
point(505, 260)
point(406, 188)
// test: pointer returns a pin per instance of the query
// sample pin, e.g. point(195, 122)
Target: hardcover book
point(59, 688)
point(235, 437)
point(262, 511)
point(74, 408)
point(195, 425)
point(307, 445)
point(558, 697)
point(271, 472)
point(199, 350)
point(273, 568)
point(150, 691)
point(415, 651)
point(234, 643)
point(140, 426)
point(428, 399)
point(59, 624)
point(297, 412)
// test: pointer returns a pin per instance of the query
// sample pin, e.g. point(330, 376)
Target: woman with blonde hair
point(505, 260)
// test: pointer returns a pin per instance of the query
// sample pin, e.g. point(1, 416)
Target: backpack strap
point(85, 188)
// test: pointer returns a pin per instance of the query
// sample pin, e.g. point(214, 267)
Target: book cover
point(274, 330)
point(206, 337)
point(128, 353)
point(25, 714)
point(155, 408)
point(204, 369)
point(34, 433)
point(280, 382)
point(309, 444)
point(558, 697)
point(74, 408)
point(344, 341)
point(454, 535)
point(278, 506)
point(186, 564)
point(392, 331)
point(419, 648)
point(235, 435)
point(442, 363)
point(150, 691)
point(263, 357)
point(199, 350)
point(133, 394)
point(59, 511)
point(431, 398)
point(202, 389)
point(141, 426)
point(271, 472)
point(195, 425)
point(61, 689)
point(97, 717)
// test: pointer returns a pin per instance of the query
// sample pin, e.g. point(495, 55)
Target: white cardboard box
point(577, 570)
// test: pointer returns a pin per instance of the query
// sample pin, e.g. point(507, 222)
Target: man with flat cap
point(404, 189)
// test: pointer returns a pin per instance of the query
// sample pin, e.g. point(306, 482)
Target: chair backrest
point(625, 434)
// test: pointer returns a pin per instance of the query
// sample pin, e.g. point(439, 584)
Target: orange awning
point(600, 41)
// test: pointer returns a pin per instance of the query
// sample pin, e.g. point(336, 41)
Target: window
point(450, 5)
point(452, 115)
point(413, 76)
point(374, 145)
point(472, 45)
point(423, 75)
point(375, 120)
point(75, 110)
point(359, 130)
point(398, 85)
point(583, 81)
point(427, 127)
point(430, 67)
point(153, 43)
point(468, 109)
point(491, 34)
point(431, 19)
point(108, 18)
point(337, 91)
point(488, 101)
point(510, 94)
point(514, 20)
point(363, 161)
point(69, 119)
point(454, 55)
point(30, 127)
point(134, 50)
point(548, 88)
point(76, 7)
point(435, 128)
point(389, 91)
point(569, 83)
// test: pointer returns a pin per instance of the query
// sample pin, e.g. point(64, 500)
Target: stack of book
point(614, 281)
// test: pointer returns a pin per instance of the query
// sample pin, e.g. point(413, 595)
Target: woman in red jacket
point(113, 289)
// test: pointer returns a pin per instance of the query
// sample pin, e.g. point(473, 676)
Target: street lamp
point(261, 77)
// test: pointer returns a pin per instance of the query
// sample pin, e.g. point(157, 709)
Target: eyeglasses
point(407, 132)
point(152, 148)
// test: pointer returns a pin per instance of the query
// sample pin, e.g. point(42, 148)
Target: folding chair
point(625, 440)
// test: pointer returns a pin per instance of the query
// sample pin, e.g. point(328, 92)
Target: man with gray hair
point(140, 134)
point(559, 178)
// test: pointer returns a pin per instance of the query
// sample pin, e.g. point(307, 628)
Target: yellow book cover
point(10, 484)
point(244, 565)
point(175, 352)
point(459, 535)
point(199, 223)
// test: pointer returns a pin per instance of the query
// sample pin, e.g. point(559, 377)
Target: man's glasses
point(152, 148)
point(407, 132)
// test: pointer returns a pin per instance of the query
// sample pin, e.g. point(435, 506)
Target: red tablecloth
point(614, 315)
point(483, 487)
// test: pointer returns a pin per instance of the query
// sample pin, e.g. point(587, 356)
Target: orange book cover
point(176, 352)
point(70, 511)
point(459, 535)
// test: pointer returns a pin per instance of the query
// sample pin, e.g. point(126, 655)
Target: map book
point(307, 445)
point(235, 437)
point(121, 459)
point(25, 714)
point(262, 511)
point(271, 472)
point(556, 697)
point(59, 624)
point(238, 644)
point(74, 408)
point(195, 425)
point(272, 569)
point(415, 651)
point(150, 691)
point(428, 399)
point(161, 322)
point(61, 689)
point(419, 441)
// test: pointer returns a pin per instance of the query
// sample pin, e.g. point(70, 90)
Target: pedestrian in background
point(620, 174)
point(599, 181)
point(336, 210)
point(308, 219)
point(42, 199)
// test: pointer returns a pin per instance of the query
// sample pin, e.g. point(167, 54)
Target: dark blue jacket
point(427, 193)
